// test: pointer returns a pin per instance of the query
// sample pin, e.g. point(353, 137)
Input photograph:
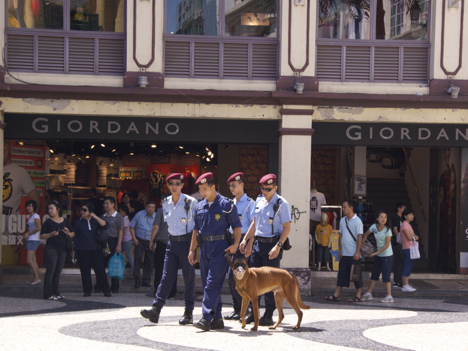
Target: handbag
point(414, 250)
point(101, 237)
point(368, 248)
point(356, 272)
point(116, 266)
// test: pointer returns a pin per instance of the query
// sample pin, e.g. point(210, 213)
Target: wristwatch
point(279, 243)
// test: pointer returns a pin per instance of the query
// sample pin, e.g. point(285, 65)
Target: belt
point(214, 237)
point(184, 237)
point(271, 240)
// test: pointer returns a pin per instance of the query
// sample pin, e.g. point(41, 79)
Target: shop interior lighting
point(198, 155)
point(114, 150)
point(181, 147)
point(154, 146)
point(208, 159)
point(132, 153)
point(51, 151)
point(203, 157)
point(103, 145)
point(212, 155)
point(188, 153)
point(92, 146)
point(74, 155)
point(87, 156)
point(112, 165)
point(21, 143)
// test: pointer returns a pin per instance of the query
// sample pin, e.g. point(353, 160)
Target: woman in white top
point(32, 238)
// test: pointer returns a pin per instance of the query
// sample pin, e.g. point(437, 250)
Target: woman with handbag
point(407, 236)
point(56, 230)
point(383, 256)
point(89, 251)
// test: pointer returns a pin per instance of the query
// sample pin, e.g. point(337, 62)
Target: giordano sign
point(388, 134)
point(88, 128)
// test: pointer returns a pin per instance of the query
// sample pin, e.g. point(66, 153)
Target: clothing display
point(316, 201)
point(82, 174)
point(70, 168)
point(323, 232)
point(157, 183)
point(101, 175)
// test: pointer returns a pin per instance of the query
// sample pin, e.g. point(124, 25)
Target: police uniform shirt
point(244, 209)
point(264, 211)
point(215, 219)
point(179, 221)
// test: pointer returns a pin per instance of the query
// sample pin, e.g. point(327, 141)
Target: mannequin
point(317, 199)
point(323, 240)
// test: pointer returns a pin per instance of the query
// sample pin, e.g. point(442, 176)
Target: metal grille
point(81, 55)
point(177, 59)
point(50, 57)
point(206, 60)
point(264, 61)
point(236, 60)
point(415, 64)
point(20, 52)
point(329, 62)
point(111, 56)
point(386, 63)
point(357, 65)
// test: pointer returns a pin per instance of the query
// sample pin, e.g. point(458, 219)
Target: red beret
point(235, 176)
point(204, 178)
point(175, 176)
point(268, 179)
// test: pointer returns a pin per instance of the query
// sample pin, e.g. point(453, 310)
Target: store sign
point(390, 134)
point(87, 128)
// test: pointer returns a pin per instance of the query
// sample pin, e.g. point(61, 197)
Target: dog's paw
point(243, 325)
point(272, 327)
point(296, 327)
point(253, 329)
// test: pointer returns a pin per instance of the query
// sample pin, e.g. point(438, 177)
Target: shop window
point(40, 37)
point(373, 40)
point(232, 39)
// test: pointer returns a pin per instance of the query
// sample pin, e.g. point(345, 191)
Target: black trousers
point(397, 263)
point(94, 259)
point(55, 259)
point(143, 247)
point(159, 256)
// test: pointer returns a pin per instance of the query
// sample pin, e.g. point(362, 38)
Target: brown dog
point(253, 282)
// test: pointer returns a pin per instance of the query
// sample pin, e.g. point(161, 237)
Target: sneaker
point(60, 297)
point(367, 296)
point(408, 288)
point(53, 298)
point(387, 299)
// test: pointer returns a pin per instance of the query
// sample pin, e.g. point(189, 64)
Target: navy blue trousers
point(259, 258)
point(177, 255)
point(213, 269)
point(236, 298)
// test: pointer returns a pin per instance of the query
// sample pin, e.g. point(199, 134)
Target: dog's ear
point(229, 258)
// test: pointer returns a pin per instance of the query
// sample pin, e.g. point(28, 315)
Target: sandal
point(355, 299)
point(332, 298)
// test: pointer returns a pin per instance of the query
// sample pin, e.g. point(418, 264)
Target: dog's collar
point(245, 280)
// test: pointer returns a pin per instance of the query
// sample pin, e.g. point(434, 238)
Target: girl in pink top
point(407, 235)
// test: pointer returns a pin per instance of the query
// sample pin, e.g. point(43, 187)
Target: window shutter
point(81, 55)
point(357, 63)
point(386, 63)
point(236, 60)
point(177, 59)
point(329, 62)
point(415, 61)
point(20, 52)
point(111, 56)
point(50, 54)
point(264, 59)
point(206, 60)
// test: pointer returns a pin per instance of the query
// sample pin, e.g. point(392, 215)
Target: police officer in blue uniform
point(214, 215)
point(244, 206)
point(179, 213)
point(271, 226)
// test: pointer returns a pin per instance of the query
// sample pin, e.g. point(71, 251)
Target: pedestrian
point(140, 228)
point(32, 239)
point(396, 246)
point(244, 205)
point(349, 251)
point(89, 251)
point(383, 257)
point(115, 229)
point(271, 226)
point(214, 215)
point(56, 230)
point(127, 240)
point(179, 214)
point(407, 236)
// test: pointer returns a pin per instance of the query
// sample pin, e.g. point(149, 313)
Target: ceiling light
point(87, 156)
point(212, 155)
point(21, 143)
point(154, 146)
point(181, 147)
point(111, 164)
point(114, 150)
point(74, 155)
point(103, 145)
point(51, 151)
point(188, 153)
point(203, 157)
point(92, 146)
point(208, 159)
point(198, 155)
point(131, 153)
point(56, 159)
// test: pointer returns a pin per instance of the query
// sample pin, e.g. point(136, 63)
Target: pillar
point(2, 128)
point(294, 185)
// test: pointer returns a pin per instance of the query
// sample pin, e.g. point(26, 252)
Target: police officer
point(179, 213)
point(244, 206)
point(214, 214)
point(271, 226)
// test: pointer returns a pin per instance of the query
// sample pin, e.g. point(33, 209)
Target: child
point(322, 237)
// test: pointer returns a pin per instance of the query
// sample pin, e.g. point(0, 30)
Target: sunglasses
point(266, 190)
point(84, 210)
point(174, 184)
point(232, 185)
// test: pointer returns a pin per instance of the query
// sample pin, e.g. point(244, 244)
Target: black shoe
point(267, 319)
point(137, 283)
point(202, 324)
point(187, 318)
point(87, 294)
point(217, 323)
point(152, 314)
point(234, 316)
point(146, 285)
point(115, 291)
point(107, 294)
point(248, 319)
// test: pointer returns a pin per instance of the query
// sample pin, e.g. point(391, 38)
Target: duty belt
point(264, 240)
point(185, 237)
point(214, 237)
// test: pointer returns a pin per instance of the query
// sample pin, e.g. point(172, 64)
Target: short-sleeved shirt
point(180, 220)
point(214, 219)
point(163, 233)
point(85, 234)
point(396, 222)
point(380, 239)
point(323, 234)
point(245, 207)
point(127, 236)
point(59, 242)
point(31, 225)
point(348, 245)
point(316, 201)
point(143, 224)
point(404, 240)
point(264, 211)
point(115, 223)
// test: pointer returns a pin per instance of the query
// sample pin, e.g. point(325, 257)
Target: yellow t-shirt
point(323, 234)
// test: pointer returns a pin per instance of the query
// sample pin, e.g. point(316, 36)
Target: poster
point(360, 188)
point(335, 249)
point(464, 213)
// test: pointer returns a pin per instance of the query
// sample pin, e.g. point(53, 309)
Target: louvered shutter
point(111, 56)
point(386, 63)
point(264, 61)
point(20, 52)
point(206, 60)
point(81, 55)
point(50, 56)
point(236, 60)
point(415, 62)
point(329, 62)
point(357, 63)
point(177, 59)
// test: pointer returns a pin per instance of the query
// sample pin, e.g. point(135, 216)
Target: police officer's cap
point(268, 179)
point(175, 176)
point(204, 178)
point(235, 176)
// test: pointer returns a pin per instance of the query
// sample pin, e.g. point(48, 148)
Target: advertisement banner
point(464, 213)
point(335, 250)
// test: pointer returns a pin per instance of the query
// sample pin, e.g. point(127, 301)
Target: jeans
point(159, 257)
point(55, 259)
point(344, 272)
point(323, 252)
point(95, 259)
point(397, 263)
point(143, 247)
point(127, 247)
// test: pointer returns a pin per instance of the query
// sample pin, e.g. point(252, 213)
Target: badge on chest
point(240, 217)
point(270, 220)
point(217, 217)
point(183, 220)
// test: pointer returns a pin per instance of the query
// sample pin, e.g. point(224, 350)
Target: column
point(294, 185)
point(2, 128)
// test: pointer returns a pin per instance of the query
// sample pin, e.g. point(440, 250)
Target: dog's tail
point(299, 299)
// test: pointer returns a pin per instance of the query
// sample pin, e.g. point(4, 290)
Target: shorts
point(31, 245)
point(344, 272)
point(382, 265)
point(407, 263)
